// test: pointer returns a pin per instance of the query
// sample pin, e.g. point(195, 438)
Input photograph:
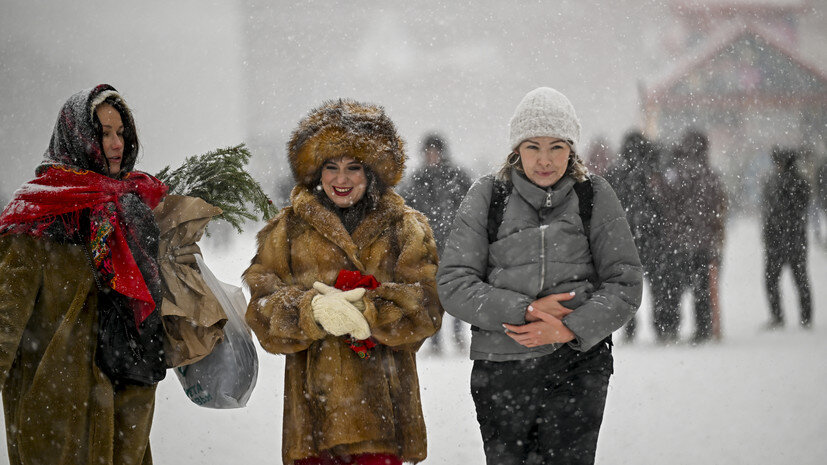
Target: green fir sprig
point(219, 178)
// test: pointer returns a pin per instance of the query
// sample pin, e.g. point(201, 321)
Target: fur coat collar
point(388, 211)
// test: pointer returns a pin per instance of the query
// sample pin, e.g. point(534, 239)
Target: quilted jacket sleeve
point(618, 268)
point(464, 265)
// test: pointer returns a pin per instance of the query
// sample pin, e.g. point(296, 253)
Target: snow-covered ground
point(753, 398)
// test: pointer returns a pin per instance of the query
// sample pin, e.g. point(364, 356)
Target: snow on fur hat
point(346, 128)
point(544, 112)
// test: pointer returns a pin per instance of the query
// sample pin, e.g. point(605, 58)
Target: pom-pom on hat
point(544, 112)
point(346, 128)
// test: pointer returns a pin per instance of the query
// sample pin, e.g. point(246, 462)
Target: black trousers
point(774, 261)
point(650, 257)
point(546, 410)
point(459, 327)
point(681, 272)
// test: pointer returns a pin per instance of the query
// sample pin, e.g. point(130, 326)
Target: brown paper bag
point(193, 318)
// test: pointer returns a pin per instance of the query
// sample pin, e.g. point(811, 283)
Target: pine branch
point(219, 178)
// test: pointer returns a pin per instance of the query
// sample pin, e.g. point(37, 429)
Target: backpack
point(499, 197)
point(502, 189)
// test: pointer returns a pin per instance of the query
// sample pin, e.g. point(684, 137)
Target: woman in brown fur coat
point(344, 284)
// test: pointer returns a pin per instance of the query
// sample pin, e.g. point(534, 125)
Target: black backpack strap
point(499, 197)
point(585, 199)
point(500, 190)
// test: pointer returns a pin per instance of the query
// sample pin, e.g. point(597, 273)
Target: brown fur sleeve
point(279, 312)
point(21, 259)
point(405, 312)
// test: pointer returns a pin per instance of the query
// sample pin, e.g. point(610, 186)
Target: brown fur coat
point(335, 400)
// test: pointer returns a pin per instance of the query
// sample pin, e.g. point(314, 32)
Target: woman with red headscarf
point(79, 244)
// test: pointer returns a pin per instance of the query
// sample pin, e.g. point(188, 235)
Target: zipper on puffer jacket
point(543, 247)
point(542, 257)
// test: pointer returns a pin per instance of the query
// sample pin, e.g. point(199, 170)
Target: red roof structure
point(742, 65)
point(743, 68)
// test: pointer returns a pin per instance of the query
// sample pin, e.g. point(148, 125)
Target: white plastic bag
point(226, 377)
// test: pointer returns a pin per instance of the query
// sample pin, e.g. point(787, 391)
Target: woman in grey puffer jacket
point(543, 296)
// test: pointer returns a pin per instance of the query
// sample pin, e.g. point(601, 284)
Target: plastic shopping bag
point(226, 377)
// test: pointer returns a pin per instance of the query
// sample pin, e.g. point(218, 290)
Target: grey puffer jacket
point(540, 250)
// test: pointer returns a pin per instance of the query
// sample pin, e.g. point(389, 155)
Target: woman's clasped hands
point(339, 312)
point(544, 323)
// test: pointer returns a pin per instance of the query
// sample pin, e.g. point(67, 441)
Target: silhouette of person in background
point(632, 178)
point(821, 203)
point(693, 218)
point(786, 196)
point(436, 189)
point(599, 156)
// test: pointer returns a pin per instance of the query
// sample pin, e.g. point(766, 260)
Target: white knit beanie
point(544, 112)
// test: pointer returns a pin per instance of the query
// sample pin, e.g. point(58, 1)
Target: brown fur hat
point(346, 127)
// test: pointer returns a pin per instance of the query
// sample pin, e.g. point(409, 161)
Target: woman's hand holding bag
point(185, 255)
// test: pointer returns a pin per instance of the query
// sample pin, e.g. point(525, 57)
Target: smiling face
point(112, 136)
point(544, 159)
point(344, 181)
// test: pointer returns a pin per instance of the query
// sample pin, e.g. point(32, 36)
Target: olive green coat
point(334, 400)
point(59, 408)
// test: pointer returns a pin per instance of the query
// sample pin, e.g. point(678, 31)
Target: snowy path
point(754, 398)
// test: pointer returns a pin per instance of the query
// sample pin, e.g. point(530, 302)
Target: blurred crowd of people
point(677, 215)
point(676, 205)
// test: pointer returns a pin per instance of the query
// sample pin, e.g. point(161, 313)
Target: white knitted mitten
point(338, 316)
point(353, 297)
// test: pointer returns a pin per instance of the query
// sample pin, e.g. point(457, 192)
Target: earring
point(318, 187)
point(513, 158)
